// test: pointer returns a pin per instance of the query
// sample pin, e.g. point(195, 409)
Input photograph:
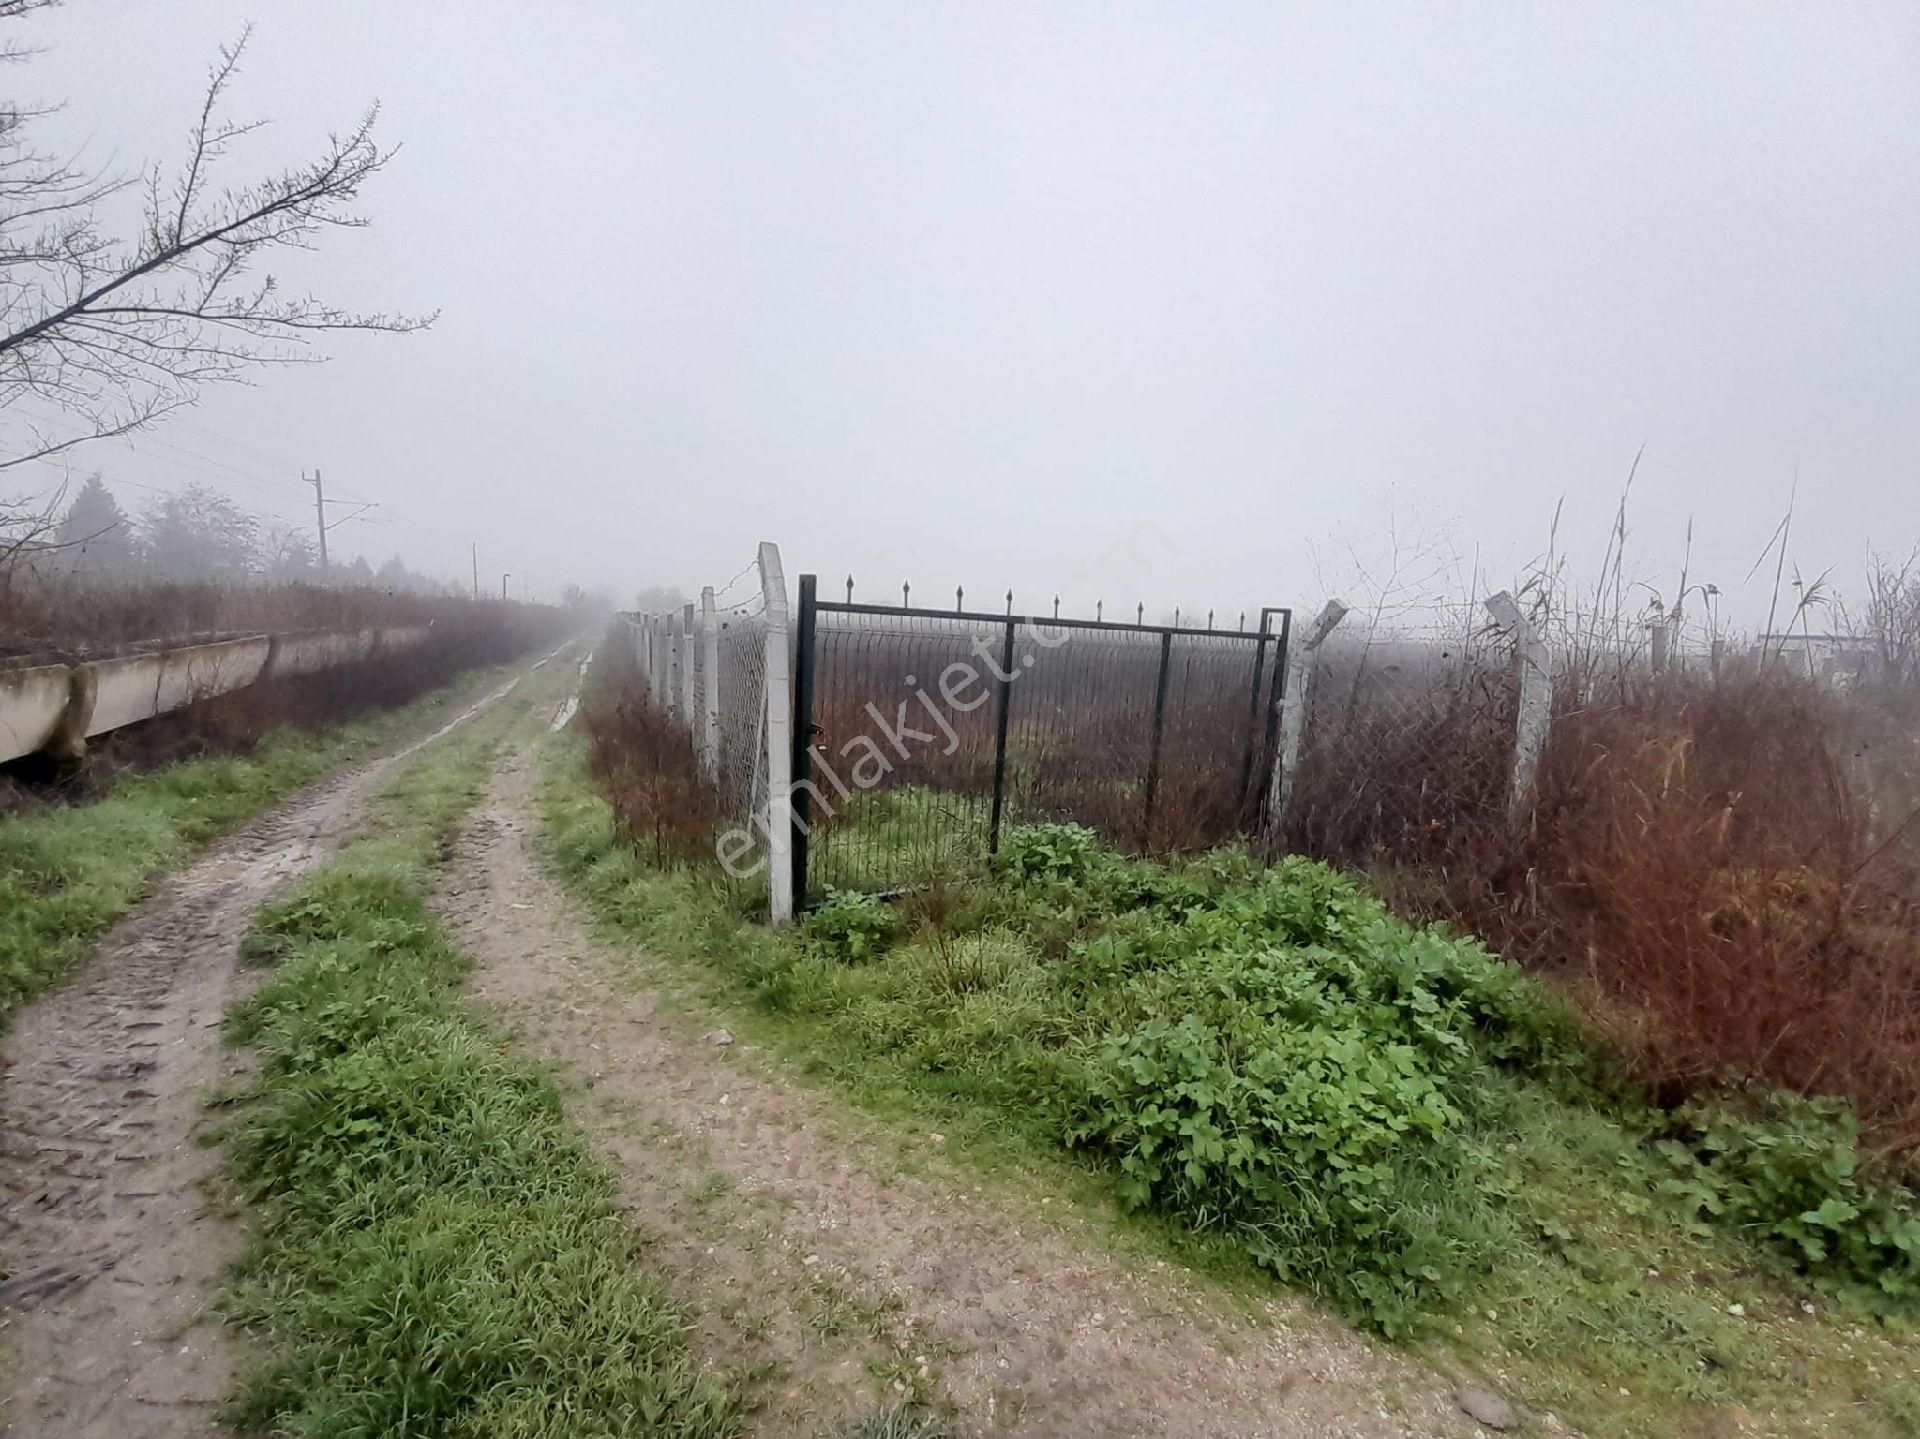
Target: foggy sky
point(975, 293)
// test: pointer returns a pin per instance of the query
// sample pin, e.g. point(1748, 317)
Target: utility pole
point(320, 517)
point(475, 548)
point(322, 523)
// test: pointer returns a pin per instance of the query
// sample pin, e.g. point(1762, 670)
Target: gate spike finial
point(1140, 613)
point(1243, 621)
point(1056, 607)
point(849, 588)
point(1209, 619)
point(1099, 607)
point(959, 598)
point(906, 588)
point(1176, 617)
point(1009, 599)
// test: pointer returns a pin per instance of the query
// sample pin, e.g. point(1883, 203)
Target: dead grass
point(1726, 870)
point(460, 637)
point(643, 761)
point(69, 617)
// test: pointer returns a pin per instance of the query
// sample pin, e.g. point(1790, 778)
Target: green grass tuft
point(438, 1252)
point(66, 874)
point(1282, 1078)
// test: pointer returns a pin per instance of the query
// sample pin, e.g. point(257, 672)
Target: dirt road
point(830, 1283)
point(807, 1257)
point(110, 1223)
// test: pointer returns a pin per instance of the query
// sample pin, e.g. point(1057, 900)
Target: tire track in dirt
point(795, 1252)
point(111, 1231)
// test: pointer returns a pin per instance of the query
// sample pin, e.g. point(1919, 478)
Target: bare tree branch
point(117, 333)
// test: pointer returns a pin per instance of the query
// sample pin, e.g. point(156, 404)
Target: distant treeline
point(198, 536)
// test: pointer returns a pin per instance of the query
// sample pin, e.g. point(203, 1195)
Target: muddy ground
point(112, 1229)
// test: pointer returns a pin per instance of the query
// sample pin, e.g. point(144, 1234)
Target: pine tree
point(96, 537)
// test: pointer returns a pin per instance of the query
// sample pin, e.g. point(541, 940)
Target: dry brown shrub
point(74, 617)
point(460, 637)
point(643, 761)
point(1724, 869)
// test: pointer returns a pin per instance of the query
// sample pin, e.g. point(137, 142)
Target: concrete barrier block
point(32, 703)
point(138, 687)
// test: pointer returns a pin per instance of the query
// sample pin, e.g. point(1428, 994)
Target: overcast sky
point(975, 293)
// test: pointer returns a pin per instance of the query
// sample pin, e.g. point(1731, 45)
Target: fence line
point(723, 674)
point(1137, 731)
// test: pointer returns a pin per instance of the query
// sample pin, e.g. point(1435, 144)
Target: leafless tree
point(28, 527)
point(1892, 618)
point(114, 332)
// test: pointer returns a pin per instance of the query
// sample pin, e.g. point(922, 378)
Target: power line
point(117, 482)
point(223, 473)
point(156, 446)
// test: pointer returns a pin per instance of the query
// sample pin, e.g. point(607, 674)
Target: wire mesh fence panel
point(933, 732)
point(1211, 748)
point(740, 764)
point(1408, 746)
point(901, 777)
point(1079, 733)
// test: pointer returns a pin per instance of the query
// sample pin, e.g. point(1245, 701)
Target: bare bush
point(460, 637)
point(1892, 619)
point(643, 761)
point(1725, 868)
point(78, 617)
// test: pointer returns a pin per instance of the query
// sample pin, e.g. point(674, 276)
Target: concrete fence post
point(709, 685)
point(676, 658)
point(779, 736)
point(1301, 660)
point(1533, 677)
point(689, 669)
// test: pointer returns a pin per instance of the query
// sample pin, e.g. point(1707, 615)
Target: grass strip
point(437, 1251)
point(66, 874)
point(1529, 1236)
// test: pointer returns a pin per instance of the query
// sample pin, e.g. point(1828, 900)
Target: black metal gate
point(920, 734)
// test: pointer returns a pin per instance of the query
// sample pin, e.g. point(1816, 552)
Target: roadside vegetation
point(1264, 1071)
point(85, 607)
point(1722, 869)
point(437, 1251)
point(67, 872)
point(460, 636)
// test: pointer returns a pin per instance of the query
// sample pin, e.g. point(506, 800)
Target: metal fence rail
point(921, 734)
point(865, 746)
